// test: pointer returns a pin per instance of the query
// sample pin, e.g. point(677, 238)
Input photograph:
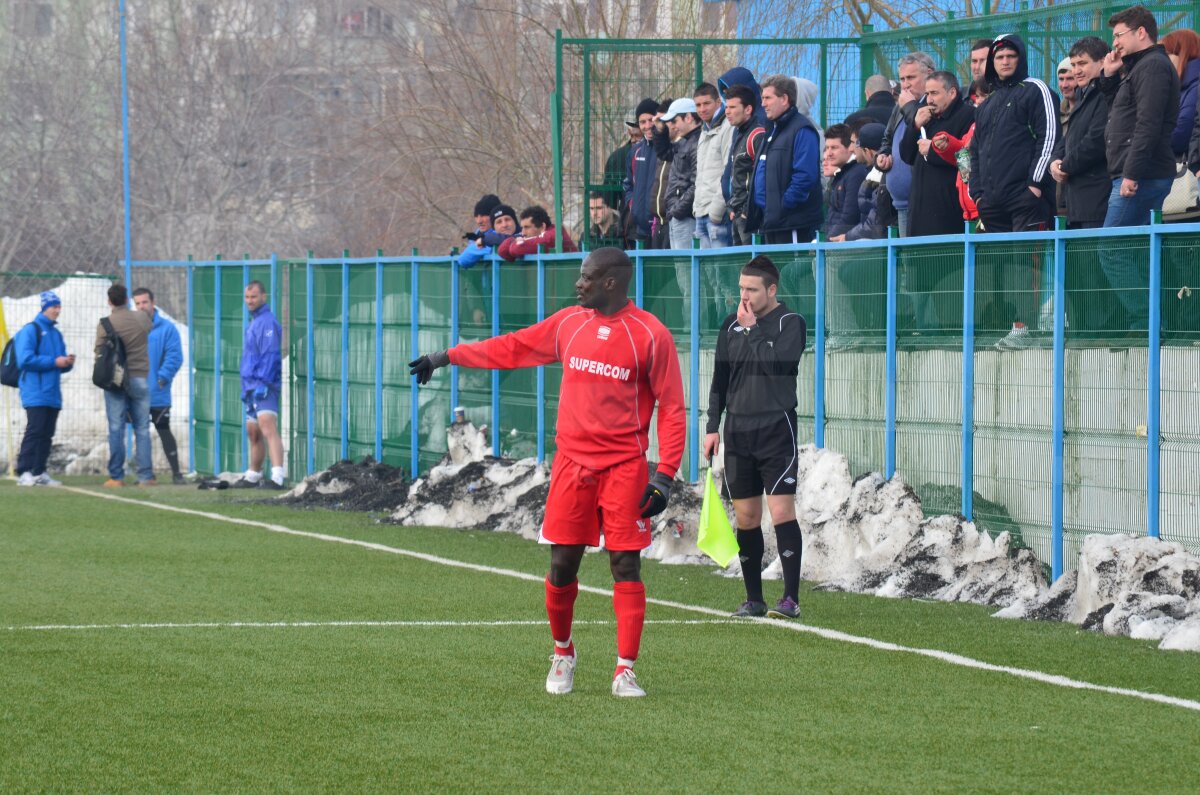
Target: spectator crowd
point(996, 150)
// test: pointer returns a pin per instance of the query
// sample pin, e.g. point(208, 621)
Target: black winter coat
point(1082, 154)
point(1144, 99)
point(878, 109)
point(1016, 130)
point(841, 199)
point(933, 207)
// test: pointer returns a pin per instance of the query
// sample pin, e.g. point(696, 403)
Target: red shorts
point(585, 501)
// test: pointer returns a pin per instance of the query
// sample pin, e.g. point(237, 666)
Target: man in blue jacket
point(787, 183)
point(262, 386)
point(42, 357)
point(166, 357)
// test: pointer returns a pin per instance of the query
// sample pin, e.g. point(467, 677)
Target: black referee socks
point(750, 553)
point(791, 546)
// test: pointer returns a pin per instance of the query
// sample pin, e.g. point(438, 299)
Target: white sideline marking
point(293, 624)
point(828, 634)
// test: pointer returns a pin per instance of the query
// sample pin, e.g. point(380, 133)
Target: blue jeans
point(1127, 272)
point(714, 235)
point(683, 232)
point(131, 405)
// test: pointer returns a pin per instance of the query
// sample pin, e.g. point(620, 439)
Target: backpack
point(108, 372)
point(10, 372)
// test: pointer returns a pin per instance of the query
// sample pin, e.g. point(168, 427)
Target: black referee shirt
point(755, 369)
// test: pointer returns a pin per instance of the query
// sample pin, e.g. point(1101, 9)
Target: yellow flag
point(716, 538)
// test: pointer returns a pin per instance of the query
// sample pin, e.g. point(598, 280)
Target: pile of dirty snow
point(862, 535)
point(1143, 587)
point(368, 485)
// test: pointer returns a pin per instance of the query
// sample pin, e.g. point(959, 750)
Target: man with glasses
point(1143, 88)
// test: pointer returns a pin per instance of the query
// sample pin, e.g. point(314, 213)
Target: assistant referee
point(754, 384)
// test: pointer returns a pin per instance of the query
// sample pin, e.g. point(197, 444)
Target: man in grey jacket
point(712, 150)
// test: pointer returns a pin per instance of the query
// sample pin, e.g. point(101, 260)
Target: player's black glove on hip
point(656, 496)
point(424, 366)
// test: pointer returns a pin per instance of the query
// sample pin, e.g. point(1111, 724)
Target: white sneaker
point(561, 678)
point(44, 479)
point(625, 684)
point(1017, 340)
point(26, 479)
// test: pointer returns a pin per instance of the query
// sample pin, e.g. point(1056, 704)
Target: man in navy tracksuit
point(262, 385)
point(42, 358)
point(639, 181)
point(787, 182)
point(166, 357)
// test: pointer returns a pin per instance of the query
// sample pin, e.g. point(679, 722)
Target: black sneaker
point(267, 483)
point(178, 480)
point(751, 609)
point(242, 483)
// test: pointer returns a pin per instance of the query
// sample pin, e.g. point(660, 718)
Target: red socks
point(560, 609)
point(629, 606)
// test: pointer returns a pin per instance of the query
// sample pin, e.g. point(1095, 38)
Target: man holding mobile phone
point(42, 358)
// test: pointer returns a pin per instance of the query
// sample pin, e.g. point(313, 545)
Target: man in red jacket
point(536, 230)
point(618, 361)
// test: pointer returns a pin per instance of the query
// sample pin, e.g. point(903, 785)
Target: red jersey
point(615, 367)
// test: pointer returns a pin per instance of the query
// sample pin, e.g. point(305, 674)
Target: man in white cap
point(683, 121)
point(42, 358)
point(1066, 88)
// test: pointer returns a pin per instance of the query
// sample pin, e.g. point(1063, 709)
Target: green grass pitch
point(460, 706)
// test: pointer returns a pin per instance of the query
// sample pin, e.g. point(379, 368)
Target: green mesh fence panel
point(296, 451)
point(397, 353)
point(1048, 33)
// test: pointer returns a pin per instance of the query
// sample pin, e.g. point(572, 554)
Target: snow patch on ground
point(1145, 588)
point(861, 535)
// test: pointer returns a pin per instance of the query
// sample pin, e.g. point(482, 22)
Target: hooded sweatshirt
point(1015, 133)
point(743, 143)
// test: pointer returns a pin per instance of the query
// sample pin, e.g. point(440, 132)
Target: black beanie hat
point(503, 209)
point(646, 106)
point(488, 203)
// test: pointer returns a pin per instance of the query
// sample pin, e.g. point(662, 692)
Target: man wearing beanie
point(474, 249)
point(42, 358)
point(133, 402)
point(639, 178)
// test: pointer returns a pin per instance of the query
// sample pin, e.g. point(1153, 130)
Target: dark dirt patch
point(371, 486)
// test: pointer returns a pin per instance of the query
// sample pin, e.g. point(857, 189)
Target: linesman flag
point(716, 538)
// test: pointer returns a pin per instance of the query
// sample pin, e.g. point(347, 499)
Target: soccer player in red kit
point(618, 361)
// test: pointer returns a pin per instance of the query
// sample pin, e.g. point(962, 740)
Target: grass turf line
point(386, 709)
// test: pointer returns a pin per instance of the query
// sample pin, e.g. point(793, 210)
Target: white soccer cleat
point(44, 479)
point(561, 678)
point(26, 479)
point(625, 684)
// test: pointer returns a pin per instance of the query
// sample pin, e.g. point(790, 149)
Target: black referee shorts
point(760, 455)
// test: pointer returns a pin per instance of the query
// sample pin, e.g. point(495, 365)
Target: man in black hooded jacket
point(1015, 133)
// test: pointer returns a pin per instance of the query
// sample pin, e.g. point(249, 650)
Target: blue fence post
point(889, 400)
point(1154, 381)
point(693, 429)
point(496, 373)
point(217, 365)
point(378, 354)
point(245, 323)
point(455, 323)
point(345, 451)
point(414, 431)
point(968, 376)
point(191, 323)
point(541, 370)
point(639, 275)
point(819, 346)
point(310, 365)
point(1058, 391)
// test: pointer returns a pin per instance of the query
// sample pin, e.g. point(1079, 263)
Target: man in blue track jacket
point(262, 386)
point(166, 357)
point(42, 358)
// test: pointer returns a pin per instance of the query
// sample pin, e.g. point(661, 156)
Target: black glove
point(658, 492)
point(472, 236)
point(424, 366)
